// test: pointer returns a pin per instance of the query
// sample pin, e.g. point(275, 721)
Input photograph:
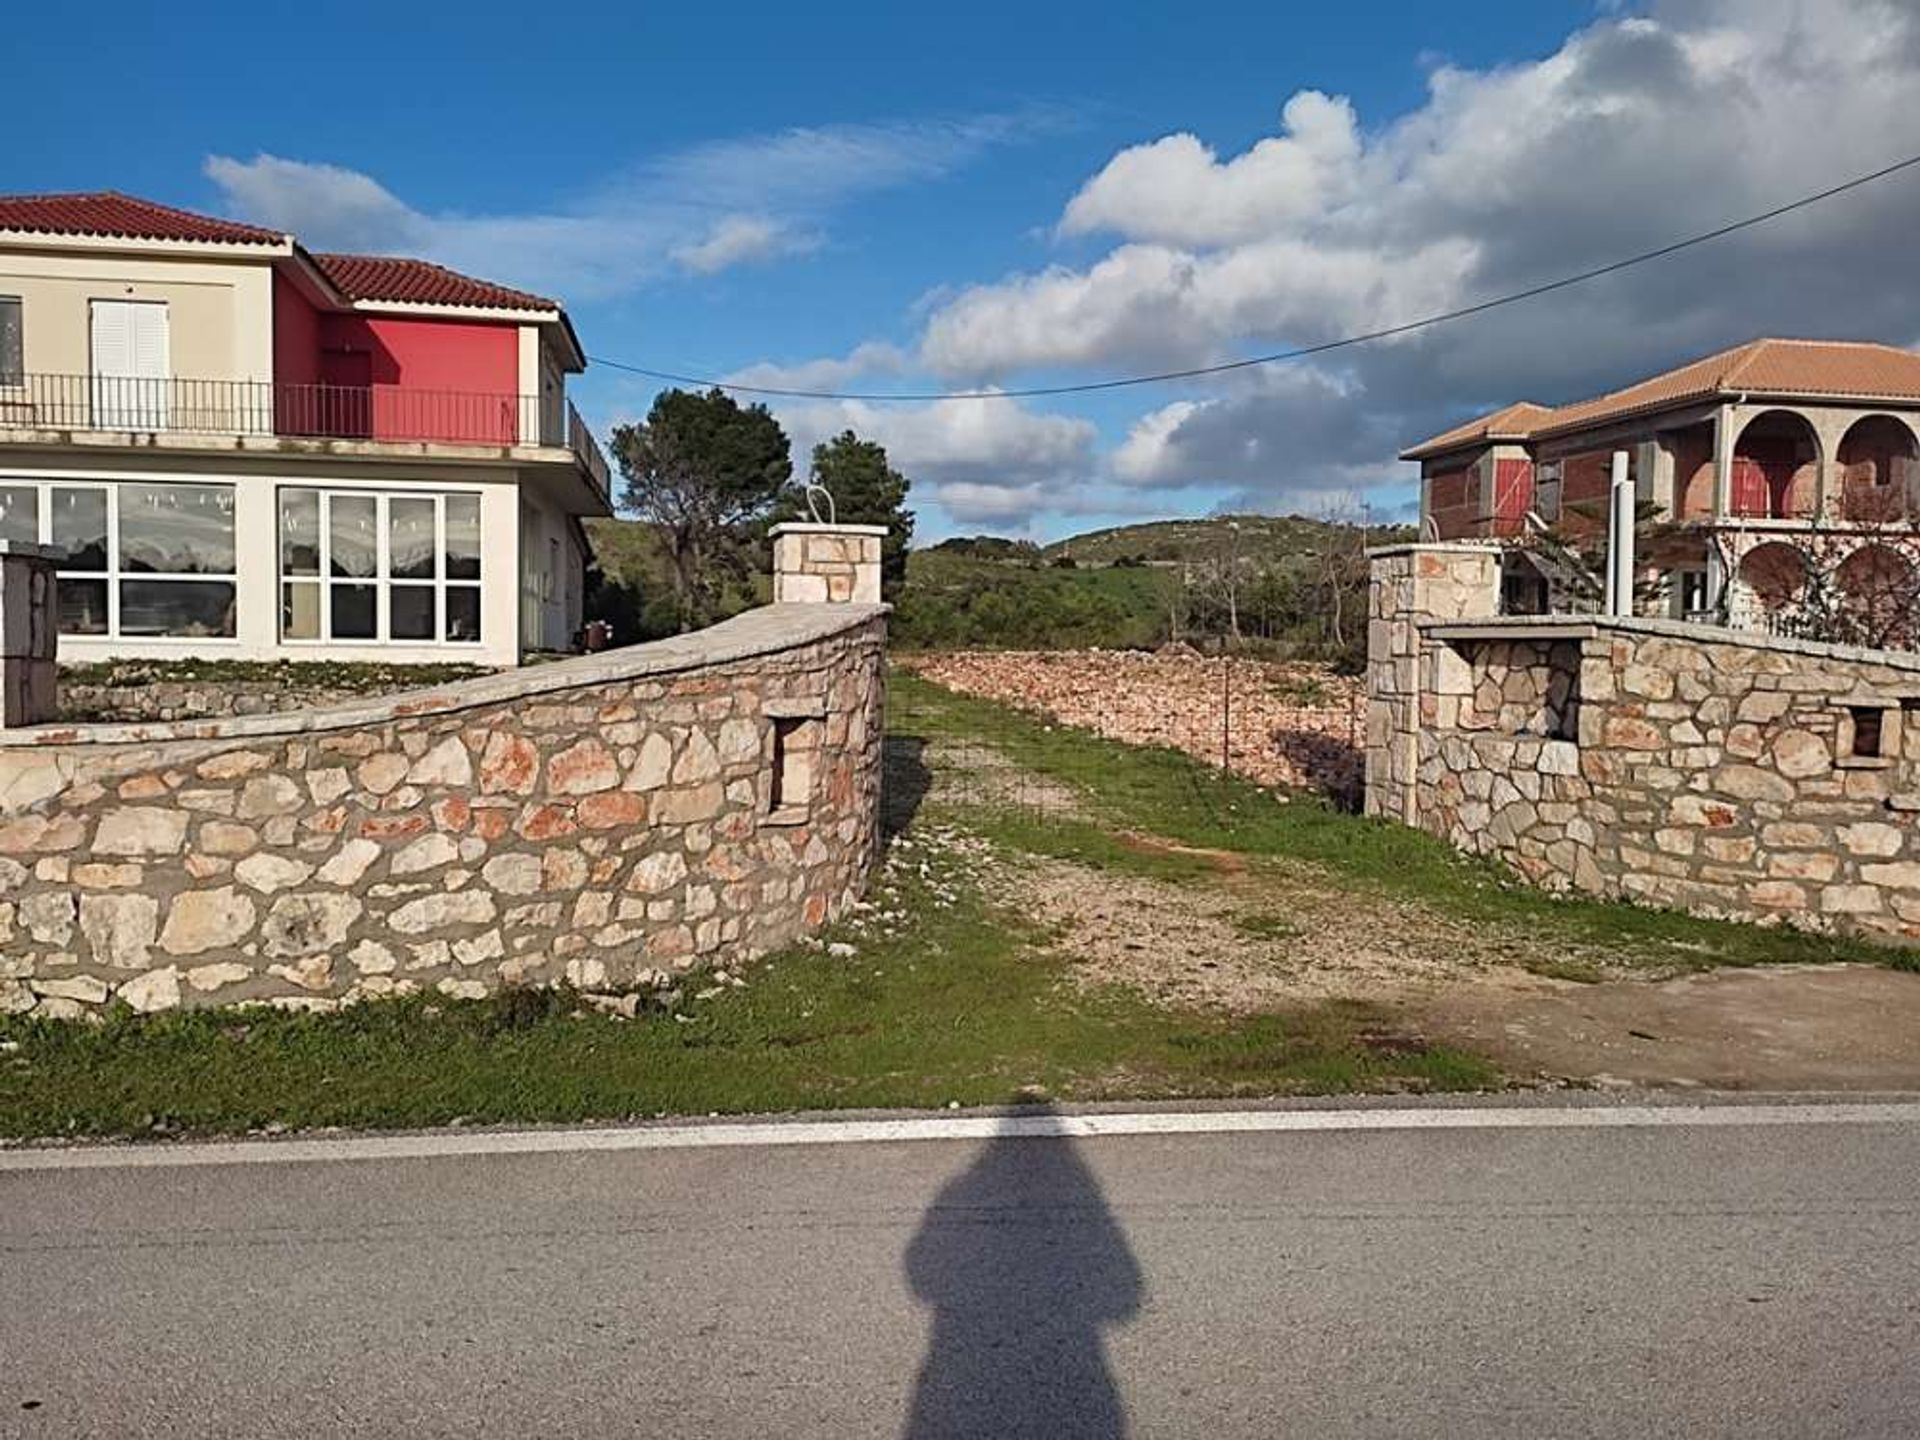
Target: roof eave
point(1433, 450)
point(90, 240)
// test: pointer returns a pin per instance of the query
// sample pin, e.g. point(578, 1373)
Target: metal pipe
point(1620, 515)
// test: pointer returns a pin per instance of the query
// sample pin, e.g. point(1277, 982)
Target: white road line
point(689, 1136)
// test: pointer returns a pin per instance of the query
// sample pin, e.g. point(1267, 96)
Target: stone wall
point(1412, 583)
point(1515, 687)
point(814, 563)
point(1690, 767)
point(607, 820)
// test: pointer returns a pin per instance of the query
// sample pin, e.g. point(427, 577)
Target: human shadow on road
point(1022, 1265)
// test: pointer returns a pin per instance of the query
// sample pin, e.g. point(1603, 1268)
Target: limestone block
point(202, 920)
point(141, 830)
point(155, 990)
point(1871, 838)
point(120, 929)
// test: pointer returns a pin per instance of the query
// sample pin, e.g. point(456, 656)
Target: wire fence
point(1035, 732)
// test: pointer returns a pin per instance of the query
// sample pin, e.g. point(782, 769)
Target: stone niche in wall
point(1524, 686)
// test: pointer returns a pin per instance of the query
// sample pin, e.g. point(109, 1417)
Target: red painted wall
point(296, 335)
point(431, 379)
point(394, 377)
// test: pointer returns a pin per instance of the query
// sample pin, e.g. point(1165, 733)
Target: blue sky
point(898, 196)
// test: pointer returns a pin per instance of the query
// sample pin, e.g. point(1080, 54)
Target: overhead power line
point(1280, 356)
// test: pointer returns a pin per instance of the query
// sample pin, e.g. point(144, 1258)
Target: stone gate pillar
point(814, 563)
point(29, 635)
point(1409, 584)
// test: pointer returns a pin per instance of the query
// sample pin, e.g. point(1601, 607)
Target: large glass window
point(133, 559)
point(363, 565)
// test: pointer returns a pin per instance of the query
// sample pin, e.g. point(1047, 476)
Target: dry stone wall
point(607, 820)
point(143, 693)
point(1684, 766)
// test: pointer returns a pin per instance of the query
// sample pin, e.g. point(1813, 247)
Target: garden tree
point(704, 472)
point(866, 490)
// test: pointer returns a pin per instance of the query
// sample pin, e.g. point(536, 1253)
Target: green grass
point(1167, 793)
point(360, 678)
point(963, 1005)
point(1115, 588)
point(964, 1002)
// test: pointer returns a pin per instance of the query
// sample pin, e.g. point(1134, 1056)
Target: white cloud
point(1176, 189)
point(1637, 130)
point(739, 240)
point(703, 209)
point(870, 357)
point(352, 211)
point(989, 461)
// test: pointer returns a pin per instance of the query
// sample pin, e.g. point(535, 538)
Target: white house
point(243, 449)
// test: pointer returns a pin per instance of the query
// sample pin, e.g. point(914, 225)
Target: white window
point(132, 365)
point(400, 566)
point(135, 559)
point(13, 368)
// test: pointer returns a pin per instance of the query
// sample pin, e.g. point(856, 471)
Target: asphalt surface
point(1681, 1280)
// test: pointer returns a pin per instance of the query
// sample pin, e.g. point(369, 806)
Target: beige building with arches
point(1771, 476)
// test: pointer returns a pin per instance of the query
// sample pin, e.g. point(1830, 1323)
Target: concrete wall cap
point(1433, 547)
point(809, 527)
point(1540, 627)
point(765, 631)
point(29, 550)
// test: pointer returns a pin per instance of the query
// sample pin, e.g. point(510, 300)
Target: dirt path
point(1253, 938)
point(1262, 936)
point(1827, 1027)
point(1258, 933)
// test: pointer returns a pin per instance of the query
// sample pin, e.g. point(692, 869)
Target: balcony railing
point(580, 440)
point(177, 406)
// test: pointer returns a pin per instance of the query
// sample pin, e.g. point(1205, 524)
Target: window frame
point(114, 572)
point(16, 377)
point(383, 581)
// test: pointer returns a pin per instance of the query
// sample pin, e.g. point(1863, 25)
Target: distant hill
point(1272, 537)
point(1127, 586)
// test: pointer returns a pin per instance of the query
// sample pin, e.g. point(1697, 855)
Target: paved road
point(1677, 1280)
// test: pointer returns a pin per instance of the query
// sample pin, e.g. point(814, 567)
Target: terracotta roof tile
point(420, 282)
point(1809, 369)
point(1512, 422)
point(109, 213)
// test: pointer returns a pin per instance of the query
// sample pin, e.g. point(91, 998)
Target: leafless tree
point(1340, 568)
point(1857, 584)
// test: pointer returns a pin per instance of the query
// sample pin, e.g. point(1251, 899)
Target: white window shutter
point(112, 338)
point(151, 348)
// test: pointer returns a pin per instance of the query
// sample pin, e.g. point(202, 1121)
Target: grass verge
point(944, 999)
point(1167, 793)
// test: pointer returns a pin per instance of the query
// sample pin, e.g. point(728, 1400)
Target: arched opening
point(1776, 468)
point(1775, 574)
point(1879, 592)
point(1878, 468)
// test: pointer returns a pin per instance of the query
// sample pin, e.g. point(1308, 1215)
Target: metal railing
point(580, 440)
point(176, 406)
